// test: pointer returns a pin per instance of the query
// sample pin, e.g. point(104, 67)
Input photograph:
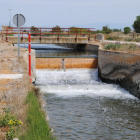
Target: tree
point(127, 30)
point(56, 28)
point(34, 30)
point(136, 25)
point(106, 29)
point(116, 30)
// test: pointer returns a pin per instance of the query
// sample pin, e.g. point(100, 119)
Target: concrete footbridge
point(49, 35)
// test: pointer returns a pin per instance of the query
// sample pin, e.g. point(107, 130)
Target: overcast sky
point(66, 13)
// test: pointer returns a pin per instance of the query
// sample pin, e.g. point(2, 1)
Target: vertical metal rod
point(40, 33)
point(52, 32)
point(80, 32)
point(30, 56)
point(68, 32)
point(76, 34)
point(89, 34)
point(58, 34)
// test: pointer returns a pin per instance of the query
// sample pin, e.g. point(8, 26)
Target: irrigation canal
point(81, 107)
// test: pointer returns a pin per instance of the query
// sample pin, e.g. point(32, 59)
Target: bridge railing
point(50, 32)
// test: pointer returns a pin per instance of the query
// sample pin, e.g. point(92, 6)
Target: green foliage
point(56, 29)
point(106, 30)
point(127, 30)
point(37, 127)
point(123, 47)
point(82, 31)
point(116, 30)
point(8, 120)
point(112, 46)
point(136, 24)
point(137, 39)
point(129, 39)
point(112, 38)
point(34, 31)
point(10, 134)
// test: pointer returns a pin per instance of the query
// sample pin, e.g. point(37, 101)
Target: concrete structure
point(48, 40)
point(57, 63)
point(120, 68)
point(100, 37)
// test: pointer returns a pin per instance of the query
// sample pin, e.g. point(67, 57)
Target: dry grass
point(13, 92)
point(129, 48)
point(120, 36)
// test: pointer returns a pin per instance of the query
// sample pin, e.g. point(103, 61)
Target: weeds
point(7, 120)
point(122, 47)
point(37, 127)
point(112, 38)
point(137, 40)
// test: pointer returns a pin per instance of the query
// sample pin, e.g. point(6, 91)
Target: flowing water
point(81, 107)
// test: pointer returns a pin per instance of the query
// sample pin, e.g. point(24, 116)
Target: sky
point(67, 13)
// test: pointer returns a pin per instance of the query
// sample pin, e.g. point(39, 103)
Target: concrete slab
point(10, 76)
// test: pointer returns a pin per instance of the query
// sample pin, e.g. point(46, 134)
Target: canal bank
point(15, 96)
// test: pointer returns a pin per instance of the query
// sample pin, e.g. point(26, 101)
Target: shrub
point(137, 39)
point(112, 46)
point(112, 38)
point(106, 30)
point(129, 39)
point(127, 30)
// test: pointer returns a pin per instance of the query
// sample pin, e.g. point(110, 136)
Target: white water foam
point(78, 82)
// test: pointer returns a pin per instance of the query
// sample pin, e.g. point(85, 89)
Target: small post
point(58, 33)
point(76, 34)
point(80, 32)
point(89, 34)
point(52, 32)
point(68, 32)
point(30, 56)
point(40, 34)
point(22, 33)
point(6, 34)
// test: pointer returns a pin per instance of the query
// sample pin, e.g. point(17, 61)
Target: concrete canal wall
point(120, 68)
point(33, 63)
point(57, 63)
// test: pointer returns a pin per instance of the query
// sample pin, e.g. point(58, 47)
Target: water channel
point(81, 107)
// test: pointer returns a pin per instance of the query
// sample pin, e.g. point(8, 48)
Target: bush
point(112, 46)
point(137, 40)
point(106, 30)
point(129, 39)
point(127, 30)
point(112, 38)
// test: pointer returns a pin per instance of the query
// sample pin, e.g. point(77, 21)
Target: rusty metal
point(51, 32)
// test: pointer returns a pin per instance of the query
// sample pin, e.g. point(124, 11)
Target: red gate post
point(76, 34)
point(58, 33)
point(30, 56)
point(89, 34)
point(40, 34)
point(6, 33)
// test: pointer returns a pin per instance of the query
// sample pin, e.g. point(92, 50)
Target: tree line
point(105, 29)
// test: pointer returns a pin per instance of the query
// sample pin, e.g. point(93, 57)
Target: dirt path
point(13, 91)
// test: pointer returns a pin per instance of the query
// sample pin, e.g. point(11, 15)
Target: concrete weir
point(57, 63)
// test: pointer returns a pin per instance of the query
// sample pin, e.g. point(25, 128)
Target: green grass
point(37, 127)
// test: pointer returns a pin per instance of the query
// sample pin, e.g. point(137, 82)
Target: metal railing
point(50, 32)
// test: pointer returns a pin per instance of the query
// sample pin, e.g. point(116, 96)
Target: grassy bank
point(37, 128)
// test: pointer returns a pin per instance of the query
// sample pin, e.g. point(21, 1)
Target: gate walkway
point(49, 35)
